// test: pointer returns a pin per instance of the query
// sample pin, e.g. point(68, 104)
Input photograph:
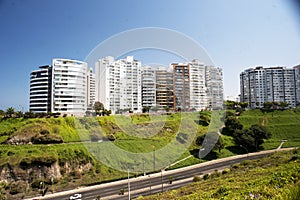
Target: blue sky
point(237, 34)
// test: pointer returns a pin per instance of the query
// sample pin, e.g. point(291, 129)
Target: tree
point(10, 112)
point(251, 138)
point(167, 108)
point(19, 114)
point(211, 141)
point(244, 104)
point(29, 114)
point(98, 107)
point(232, 124)
point(231, 105)
point(2, 113)
point(268, 105)
point(204, 119)
point(146, 109)
point(283, 105)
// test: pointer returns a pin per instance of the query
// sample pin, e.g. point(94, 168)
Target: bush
point(47, 139)
point(294, 194)
point(44, 132)
point(206, 176)
point(226, 171)
point(216, 173)
point(245, 162)
point(196, 178)
point(111, 137)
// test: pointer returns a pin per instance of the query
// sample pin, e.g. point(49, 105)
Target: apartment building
point(214, 86)
point(197, 86)
point(40, 89)
point(274, 84)
point(181, 86)
point(148, 77)
point(198, 90)
point(118, 84)
point(66, 87)
point(70, 86)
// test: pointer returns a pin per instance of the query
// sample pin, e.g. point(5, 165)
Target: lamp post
point(161, 178)
point(144, 166)
point(153, 158)
point(245, 149)
point(128, 183)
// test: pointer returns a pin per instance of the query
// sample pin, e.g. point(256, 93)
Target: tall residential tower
point(66, 87)
point(274, 84)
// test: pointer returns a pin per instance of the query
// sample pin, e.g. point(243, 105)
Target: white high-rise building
point(274, 84)
point(70, 86)
point(148, 86)
point(198, 90)
point(66, 87)
point(118, 84)
point(214, 85)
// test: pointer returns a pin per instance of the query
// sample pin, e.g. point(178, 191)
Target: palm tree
point(10, 112)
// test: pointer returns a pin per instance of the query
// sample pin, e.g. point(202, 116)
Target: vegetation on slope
point(141, 133)
point(274, 177)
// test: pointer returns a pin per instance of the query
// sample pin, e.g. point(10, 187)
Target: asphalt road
point(154, 183)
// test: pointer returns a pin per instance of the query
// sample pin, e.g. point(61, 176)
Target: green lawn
point(282, 125)
point(274, 177)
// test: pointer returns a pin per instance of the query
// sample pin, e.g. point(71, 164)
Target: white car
point(76, 196)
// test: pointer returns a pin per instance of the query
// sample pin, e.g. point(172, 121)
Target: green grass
point(139, 136)
point(282, 124)
point(273, 177)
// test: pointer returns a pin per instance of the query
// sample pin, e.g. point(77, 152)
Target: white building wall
point(118, 84)
point(69, 90)
point(198, 90)
point(214, 84)
point(148, 86)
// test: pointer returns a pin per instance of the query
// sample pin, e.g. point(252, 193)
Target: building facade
point(70, 86)
point(198, 90)
point(164, 88)
point(40, 89)
point(274, 84)
point(214, 85)
point(148, 86)
point(66, 87)
point(119, 84)
point(181, 86)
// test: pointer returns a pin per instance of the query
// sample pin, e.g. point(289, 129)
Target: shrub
point(111, 137)
point(226, 171)
point(294, 194)
point(216, 173)
point(245, 162)
point(196, 178)
point(206, 176)
point(44, 132)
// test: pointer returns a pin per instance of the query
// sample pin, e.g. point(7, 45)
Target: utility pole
point(128, 184)
point(153, 158)
point(161, 178)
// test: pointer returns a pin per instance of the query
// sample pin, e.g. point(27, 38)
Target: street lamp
point(144, 166)
point(153, 158)
point(128, 183)
point(161, 177)
point(245, 149)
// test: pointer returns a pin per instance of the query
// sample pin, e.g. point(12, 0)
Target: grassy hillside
point(274, 177)
point(282, 124)
point(76, 140)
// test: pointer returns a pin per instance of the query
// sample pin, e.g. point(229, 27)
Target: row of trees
point(232, 105)
point(12, 113)
point(251, 138)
